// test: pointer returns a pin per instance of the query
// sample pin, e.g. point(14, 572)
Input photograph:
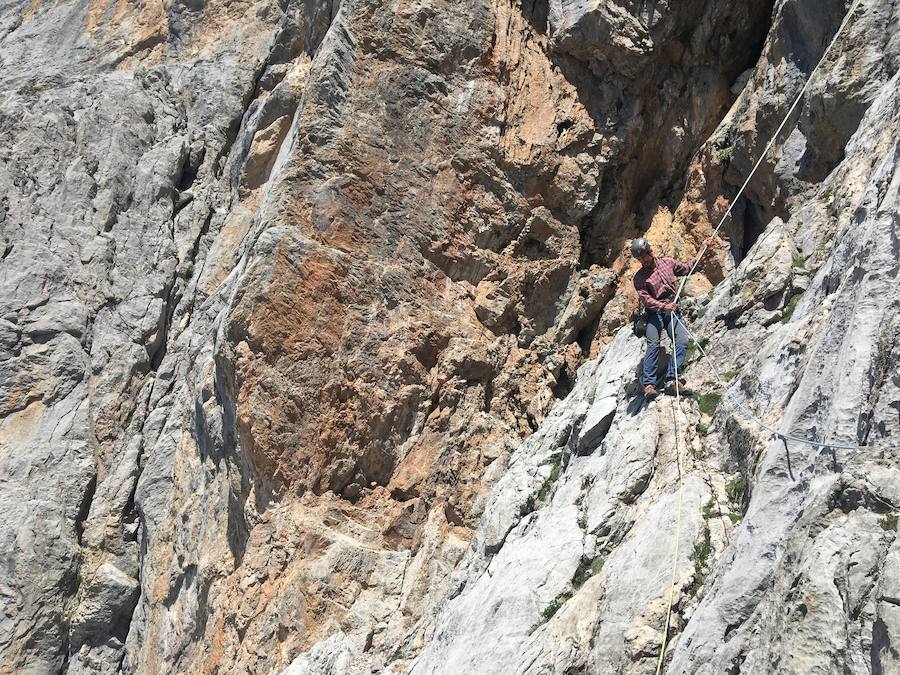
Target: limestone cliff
point(314, 342)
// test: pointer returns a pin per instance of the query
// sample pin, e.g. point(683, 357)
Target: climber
point(656, 286)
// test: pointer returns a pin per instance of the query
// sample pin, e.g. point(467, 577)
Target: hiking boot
point(650, 392)
point(682, 387)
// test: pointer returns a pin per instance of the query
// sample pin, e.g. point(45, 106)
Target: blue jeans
point(657, 324)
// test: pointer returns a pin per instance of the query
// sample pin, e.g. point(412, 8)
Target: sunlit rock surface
point(315, 348)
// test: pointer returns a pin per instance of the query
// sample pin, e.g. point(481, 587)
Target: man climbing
point(657, 286)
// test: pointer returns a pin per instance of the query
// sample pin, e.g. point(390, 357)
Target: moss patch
point(708, 508)
point(735, 492)
point(700, 556)
point(709, 402)
point(692, 348)
point(586, 570)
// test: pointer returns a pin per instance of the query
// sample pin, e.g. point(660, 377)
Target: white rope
point(662, 649)
point(756, 420)
point(768, 146)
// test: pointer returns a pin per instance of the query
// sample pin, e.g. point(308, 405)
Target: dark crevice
point(147, 44)
point(585, 336)
point(881, 644)
point(84, 507)
point(238, 531)
point(186, 577)
point(754, 225)
point(171, 302)
point(403, 495)
point(195, 251)
point(238, 121)
point(536, 13)
point(130, 513)
point(190, 169)
point(633, 185)
point(564, 384)
point(114, 216)
point(824, 150)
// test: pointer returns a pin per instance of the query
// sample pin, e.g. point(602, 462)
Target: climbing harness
point(640, 325)
point(662, 649)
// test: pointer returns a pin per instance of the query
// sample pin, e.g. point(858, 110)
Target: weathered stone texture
point(312, 352)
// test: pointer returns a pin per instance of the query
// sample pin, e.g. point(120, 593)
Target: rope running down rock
point(662, 649)
point(768, 145)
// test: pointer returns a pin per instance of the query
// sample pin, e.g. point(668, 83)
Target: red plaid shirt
point(659, 285)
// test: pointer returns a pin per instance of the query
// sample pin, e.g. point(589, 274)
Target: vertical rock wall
point(284, 285)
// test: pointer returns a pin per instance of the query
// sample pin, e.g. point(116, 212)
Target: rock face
point(312, 348)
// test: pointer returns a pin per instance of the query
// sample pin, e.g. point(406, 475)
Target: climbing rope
point(756, 420)
point(662, 650)
point(749, 415)
point(768, 146)
point(675, 403)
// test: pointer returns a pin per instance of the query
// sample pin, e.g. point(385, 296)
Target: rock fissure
point(343, 284)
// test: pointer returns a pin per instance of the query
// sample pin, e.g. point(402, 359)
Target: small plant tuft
point(735, 492)
point(708, 508)
point(556, 462)
point(889, 522)
point(799, 262)
point(790, 307)
point(692, 348)
point(554, 606)
point(702, 429)
point(398, 655)
point(585, 571)
point(709, 402)
point(700, 555)
point(730, 375)
point(724, 154)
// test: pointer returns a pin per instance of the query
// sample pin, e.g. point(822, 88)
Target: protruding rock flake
point(316, 348)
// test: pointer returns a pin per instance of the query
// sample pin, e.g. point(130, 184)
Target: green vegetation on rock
point(556, 462)
point(709, 402)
